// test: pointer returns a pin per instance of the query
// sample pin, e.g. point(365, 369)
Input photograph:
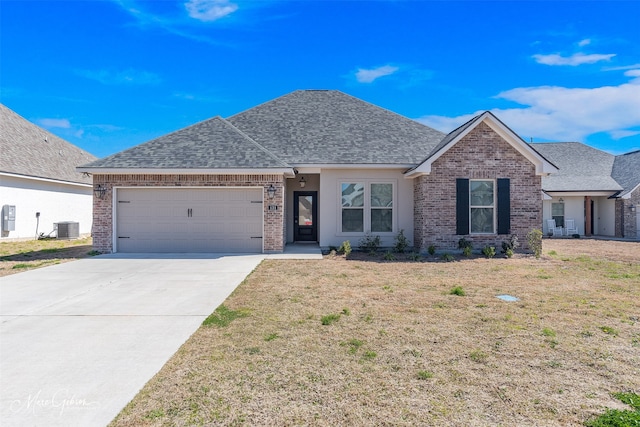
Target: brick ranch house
point(317, 166)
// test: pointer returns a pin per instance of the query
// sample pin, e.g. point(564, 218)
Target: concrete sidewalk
point(79, 340)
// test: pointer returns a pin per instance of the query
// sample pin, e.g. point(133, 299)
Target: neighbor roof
point(210, 144)
point(26, 149)
point(626, 171)
point(582, 168)
point(331, 127)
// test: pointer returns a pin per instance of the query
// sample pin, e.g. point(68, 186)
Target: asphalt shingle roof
point(582, 168)
point(27, 149)
point(626, 171)
point(210, 144)
point(331, 127)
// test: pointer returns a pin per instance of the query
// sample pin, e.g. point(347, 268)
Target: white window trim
point(367, 207)
point(494, 206)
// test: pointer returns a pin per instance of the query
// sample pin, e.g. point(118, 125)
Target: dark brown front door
point(305, 209)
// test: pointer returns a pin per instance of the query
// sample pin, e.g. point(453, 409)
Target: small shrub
point(464, 243)
point(447, 257)
point(401, 243)
point(370, 243)
point(511, 244)
point(329, 319)
point(345, 248)
point(457, 291)
point(466, 251)
point(424, 375)
point(534, 239)
point(575, 236)
point(489, 251)
point(508, 253)
point(93, 253)
point(414, 256)
point(431, 250)
point(388, 256)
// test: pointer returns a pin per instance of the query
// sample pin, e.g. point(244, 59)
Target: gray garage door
point(189, 220)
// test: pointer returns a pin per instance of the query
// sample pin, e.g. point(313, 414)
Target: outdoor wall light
point(632, 207)
point(561, 200)
point(271, 191)
point(302, 182)
point(100, 191)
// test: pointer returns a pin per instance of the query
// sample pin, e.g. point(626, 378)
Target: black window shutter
point(462, 206)
point(504, 206)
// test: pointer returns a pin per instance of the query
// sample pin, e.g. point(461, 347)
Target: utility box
point(8, 218)
point(68, 230)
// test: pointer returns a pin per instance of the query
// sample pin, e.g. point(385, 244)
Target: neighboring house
point(318, 166)
point(39, 182)
point(598, 190)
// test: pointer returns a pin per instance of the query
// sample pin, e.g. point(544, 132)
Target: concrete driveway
point(79, 340)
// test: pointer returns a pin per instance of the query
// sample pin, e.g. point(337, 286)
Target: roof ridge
point(251, 140)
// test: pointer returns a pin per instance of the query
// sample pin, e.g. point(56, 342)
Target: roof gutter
point(287, 172)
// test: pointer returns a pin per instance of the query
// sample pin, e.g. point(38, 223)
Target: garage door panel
point(189, 220)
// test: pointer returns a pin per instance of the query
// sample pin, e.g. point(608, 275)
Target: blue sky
point(107, 75)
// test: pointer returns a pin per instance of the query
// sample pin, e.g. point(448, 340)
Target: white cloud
point(55, 123)
point(369, 76)
point(126, 77)
point(619, 134)
point(209, 10)
point(632, 73)
point(584, 42)
point(573, 60)
point(564, 114)
point(621, 68)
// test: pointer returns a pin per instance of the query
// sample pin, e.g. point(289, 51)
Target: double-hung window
point(367, 206)
point(481, 205)
point(381, 208)
point(353, 207)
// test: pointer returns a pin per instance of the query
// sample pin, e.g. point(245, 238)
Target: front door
point(305, 210)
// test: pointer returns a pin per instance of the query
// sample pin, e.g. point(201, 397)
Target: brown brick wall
point(273, 237)
point(482, 154)
point(626, 218)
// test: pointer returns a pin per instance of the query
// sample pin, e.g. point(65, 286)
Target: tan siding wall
point(482, 154)
point(273, 234)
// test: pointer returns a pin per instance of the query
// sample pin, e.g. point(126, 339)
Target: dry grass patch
point(18, 256)
point(401, 349)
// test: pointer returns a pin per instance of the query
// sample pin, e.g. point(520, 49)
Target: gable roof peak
point(543, 166)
